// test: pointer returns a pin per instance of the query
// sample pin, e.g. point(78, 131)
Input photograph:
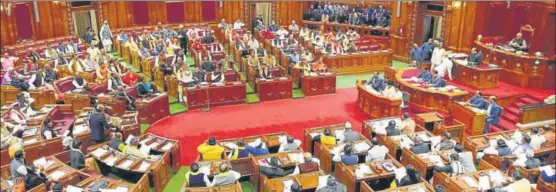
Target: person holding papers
point(493, 114)
point(377, 152)
point(477, 101)
point(455, 167)
point(257, 148)
point(195, 178)
point(290, 145)
point(392, 92)
point(409, 177)
point(226, 176)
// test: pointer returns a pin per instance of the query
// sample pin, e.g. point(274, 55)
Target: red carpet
point(504, 89)
point(290, 115)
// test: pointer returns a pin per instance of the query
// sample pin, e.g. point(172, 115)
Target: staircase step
point(505, 125)
point(529, 100)
point(519, 103)
point(511, 118)
point(512, 110)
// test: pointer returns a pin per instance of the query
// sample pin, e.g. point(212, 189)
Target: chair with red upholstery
point(374, 48)
point(63, 85)
point(364, 48)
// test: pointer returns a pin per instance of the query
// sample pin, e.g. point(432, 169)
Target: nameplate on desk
point(30, 141)
point(283, 78)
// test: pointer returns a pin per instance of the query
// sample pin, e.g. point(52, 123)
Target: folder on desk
point(71, 188)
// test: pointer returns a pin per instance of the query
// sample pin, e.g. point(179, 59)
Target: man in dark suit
point(97, 124)
point(88, 35)
point(477, 101)
point(493, 114)
point(182, 35)
point(475, 58)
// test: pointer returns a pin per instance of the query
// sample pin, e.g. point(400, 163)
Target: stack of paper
point(282, 139)
point(287, 185)
point(39, 162)
point(361, 147)
point(144, 166)
point(30, 141)
point(469, 181)
point(110, 160)
point(71, 188)
point(56, 175)
point(99, 152)
point(146, 150)
point(80, 129)
point(297, 157)
point(323, 180)
point(547, 169)
point(167, 147)
point(363, 170)
point(126, 164)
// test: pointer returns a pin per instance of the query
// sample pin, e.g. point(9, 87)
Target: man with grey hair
point(349, 134)
point(106, 36)
point(226, 176)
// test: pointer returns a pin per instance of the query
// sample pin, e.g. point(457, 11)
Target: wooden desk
point(141, 186)
point(157, 170)
point(519, 70)
point(480, 77)
point(536, 112)
point(275, 89)
point(478, 143)
point(231, 93)
point(423, 164)
point(410, 188)
point(376, 106)
point(474, 122)
point(8, 94)
point(314, 148)
point(42, 97)
point(457, 183)
point(236, 187)
point(318, 85)
point(307, 181)
point(544, 186)
point(153, 109)
point(359, 62)
point(346, 174)
point(285, 162)
point(162, 145)
point(325, 155)
point(429, 99)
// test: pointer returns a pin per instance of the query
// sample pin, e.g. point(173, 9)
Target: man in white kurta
point(436, 58)
point(106, 37)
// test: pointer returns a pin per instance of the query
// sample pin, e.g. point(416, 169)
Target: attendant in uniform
point(475, 58)
point(518, 43)
point(477, 101)
point(210, 150)
point(416, 53)
point(493, 114)
point(195, 178)
point(106, 36)
point(97, 124)
point(436, 58)
point(427, 49)
point(408, 124)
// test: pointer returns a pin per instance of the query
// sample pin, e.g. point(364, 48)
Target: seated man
point(80, 161)
point(392, 92)
point(377, 152)
point(121, 94)
point(537, 139)
point(419, 147)
point(475, 58)
point(226, 176)
point(290, 145)
point(207, 65)
point(210, 150)
point(7, 62)
point(333, 186)
point(466, 158)
point(455, 167)
point(408, 124)
point(238, 151)
point(195, 178)
point(114, 82)
point(494, 111)
point(36, 80)
point(377, 83)
point(326, 138)
point(390, 130)
point(15, 79)
point(425, 76)
point(437, 81)
point(257, 148)
point(530, 163)
point(349, 134)
point(7, 137)
point(132, 149)
point(502, 149)
point(477, 101)
point(518, 43)
point(408, 177)
point(49, 74)
point(18, 168)
point(116, 143)
point(273, 170)
point(217, 76)
point(34, 178)
point(310, 165)
point(348, 157)
point(78, 85)
point(446, 143)
point(144, 89)
point(130, 78)
point(519, 184)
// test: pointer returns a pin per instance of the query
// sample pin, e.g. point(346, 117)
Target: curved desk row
point(229, 94)
point(426, 98)
point(478, 77)
point(376, 106)
point(519, 70)
point(359, 62)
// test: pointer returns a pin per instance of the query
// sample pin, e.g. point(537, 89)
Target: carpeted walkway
point(290, 115)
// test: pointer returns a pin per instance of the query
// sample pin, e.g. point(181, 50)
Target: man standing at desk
point(475, 58)
point(477, 101)
point(97, 123)
point(493, 114)
point(518, 43)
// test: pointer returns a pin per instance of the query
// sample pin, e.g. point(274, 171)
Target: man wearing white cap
point(106, 36)
point(349, 134)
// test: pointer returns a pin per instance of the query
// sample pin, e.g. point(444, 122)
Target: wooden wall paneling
point(286, 11)
point(192, 11)
point(45, 23)
point(8, 31)
point(157, 12)
point(59, 18)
